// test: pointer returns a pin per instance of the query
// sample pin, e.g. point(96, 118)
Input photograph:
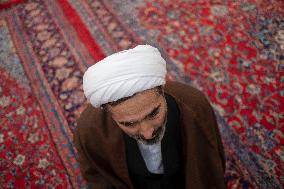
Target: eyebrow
point(147, 116)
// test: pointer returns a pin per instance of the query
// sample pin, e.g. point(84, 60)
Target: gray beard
point(158, 135)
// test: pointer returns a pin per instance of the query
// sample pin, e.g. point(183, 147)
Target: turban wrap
point(123, 74)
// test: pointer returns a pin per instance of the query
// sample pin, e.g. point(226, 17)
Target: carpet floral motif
point(28, 156)
point(231, 50)
point(39, 76)
point(58, 64)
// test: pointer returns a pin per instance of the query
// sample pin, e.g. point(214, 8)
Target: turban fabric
point(123, 74)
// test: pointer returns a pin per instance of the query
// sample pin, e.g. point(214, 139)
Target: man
point(141, 132)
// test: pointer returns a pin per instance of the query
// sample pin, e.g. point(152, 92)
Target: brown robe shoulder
point(101, 149)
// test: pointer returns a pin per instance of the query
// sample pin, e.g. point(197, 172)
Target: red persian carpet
point(231, 50)
point(4, 4)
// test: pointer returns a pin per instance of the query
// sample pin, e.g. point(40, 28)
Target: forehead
point(139, 105)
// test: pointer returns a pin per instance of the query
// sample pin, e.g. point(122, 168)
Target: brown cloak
point(101, 147)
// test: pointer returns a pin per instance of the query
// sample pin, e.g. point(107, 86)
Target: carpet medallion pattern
point(230, 50)
point(28, 155)
point(41, 57)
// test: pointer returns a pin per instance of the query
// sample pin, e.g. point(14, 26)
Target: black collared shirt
point(171, 156)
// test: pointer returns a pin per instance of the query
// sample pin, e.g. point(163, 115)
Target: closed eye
point(151, 115)
point(154, 113)
point(129, 124)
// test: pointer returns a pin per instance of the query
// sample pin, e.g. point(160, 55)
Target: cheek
point(159, 122)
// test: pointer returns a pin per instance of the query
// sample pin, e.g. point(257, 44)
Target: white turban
point(123, 74)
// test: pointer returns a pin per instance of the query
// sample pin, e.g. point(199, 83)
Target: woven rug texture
point(231, 50)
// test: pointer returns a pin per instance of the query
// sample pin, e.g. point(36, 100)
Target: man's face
point(142, 117)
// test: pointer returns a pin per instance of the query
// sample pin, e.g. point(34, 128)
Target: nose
point(146, 131)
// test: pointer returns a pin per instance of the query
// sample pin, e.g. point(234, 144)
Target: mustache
point(155, 133)
point(157, 136)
